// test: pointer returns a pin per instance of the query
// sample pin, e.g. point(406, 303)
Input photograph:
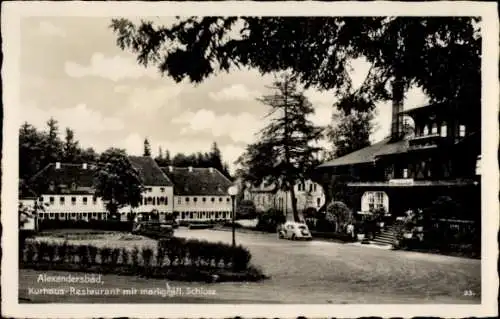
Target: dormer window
point(426, 130)
point(444, 129)
point(434, 129)
point(461, 130)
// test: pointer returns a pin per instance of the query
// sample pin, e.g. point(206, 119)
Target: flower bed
point(173, 259)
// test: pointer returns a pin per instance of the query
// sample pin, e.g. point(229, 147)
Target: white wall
point(219, 208)
point(80, 210)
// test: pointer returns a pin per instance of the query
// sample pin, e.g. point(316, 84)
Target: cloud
point(49, 29)
point(234, 92)
point(240, 127)
point(114, 68)
point(155, 98)
point(80, 118)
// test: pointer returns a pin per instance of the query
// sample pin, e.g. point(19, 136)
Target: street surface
point(305, 272)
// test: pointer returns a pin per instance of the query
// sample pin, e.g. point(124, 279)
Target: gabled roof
point(369, 153)
point(150, 173)
point(197, 181)
point(54, 179)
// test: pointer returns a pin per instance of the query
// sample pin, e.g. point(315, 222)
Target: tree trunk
point(294, 204)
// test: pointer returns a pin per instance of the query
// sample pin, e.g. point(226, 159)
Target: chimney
point(170, 168)
point(84, 166)
point(397, 108)
point(58, 165)
point(190, 168)
point(210, 169)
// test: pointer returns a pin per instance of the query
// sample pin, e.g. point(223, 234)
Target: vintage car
point(294, 231)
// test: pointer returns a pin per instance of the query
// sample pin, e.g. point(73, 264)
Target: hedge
point(171, 259)
point(83, 224)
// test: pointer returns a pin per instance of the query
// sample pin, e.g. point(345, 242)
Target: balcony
point(426, 141)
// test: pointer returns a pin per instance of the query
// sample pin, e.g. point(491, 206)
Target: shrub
point(241, 258)
point(270, 220)
point(114, 256)
point(92, 254)
point(147, 256)
point(105, 253)
point(30, 252)
point(338, 213)
point(135, 257)
point(83, 254)
point(125, 256)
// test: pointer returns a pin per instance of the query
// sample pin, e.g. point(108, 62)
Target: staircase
point(389, 235)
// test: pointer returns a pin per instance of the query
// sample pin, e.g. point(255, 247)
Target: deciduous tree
point(116, 181)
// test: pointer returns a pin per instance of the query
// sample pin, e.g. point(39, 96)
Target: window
point(204, 199)
point(178, 200)
point(434, 129)
point(166, 200)
point(73, 200)
point(310, 187)
point(314, 187)
point(94, 200)
point(461, 130)
point(85, 201)
point(227, 199)
point(195, 199)
point(405, 173)
point(187, 199)
point(162, 189)
point(154, 200)
point(61, 200)
point(212, 199)
point(41, 198)
point(220, 199)
point(375, 200)
point(444, 130)
point(426, 130)
point(318, 201)
point(51, 200)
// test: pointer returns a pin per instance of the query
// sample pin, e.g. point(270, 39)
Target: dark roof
point(63, 178)
point(198, 181)
point(369, 153)
point(149, 171)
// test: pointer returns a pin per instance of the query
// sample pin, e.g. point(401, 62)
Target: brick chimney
point(58, 165)
point(397, 108)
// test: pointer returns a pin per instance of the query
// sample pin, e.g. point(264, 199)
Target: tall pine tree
point(284, 154)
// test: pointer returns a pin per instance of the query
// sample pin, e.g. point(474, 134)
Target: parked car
point(294, 231)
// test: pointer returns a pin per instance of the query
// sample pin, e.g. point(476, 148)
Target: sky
point(72, 70)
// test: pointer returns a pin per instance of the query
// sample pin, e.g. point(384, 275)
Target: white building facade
point(69, 192)
point(200, 194)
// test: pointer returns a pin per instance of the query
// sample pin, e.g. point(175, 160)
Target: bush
point(205, 260)
point(339, 214)
point(270, 220)
point(82, 224)
point(246, 210)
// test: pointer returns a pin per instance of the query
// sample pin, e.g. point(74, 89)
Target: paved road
point(315, 272)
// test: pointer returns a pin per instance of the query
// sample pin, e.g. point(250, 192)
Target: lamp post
point(233, 191)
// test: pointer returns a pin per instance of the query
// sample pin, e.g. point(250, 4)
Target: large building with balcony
point(432, 151)
point(200, 193)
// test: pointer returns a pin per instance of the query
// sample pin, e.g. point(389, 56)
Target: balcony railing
point(424, 141)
